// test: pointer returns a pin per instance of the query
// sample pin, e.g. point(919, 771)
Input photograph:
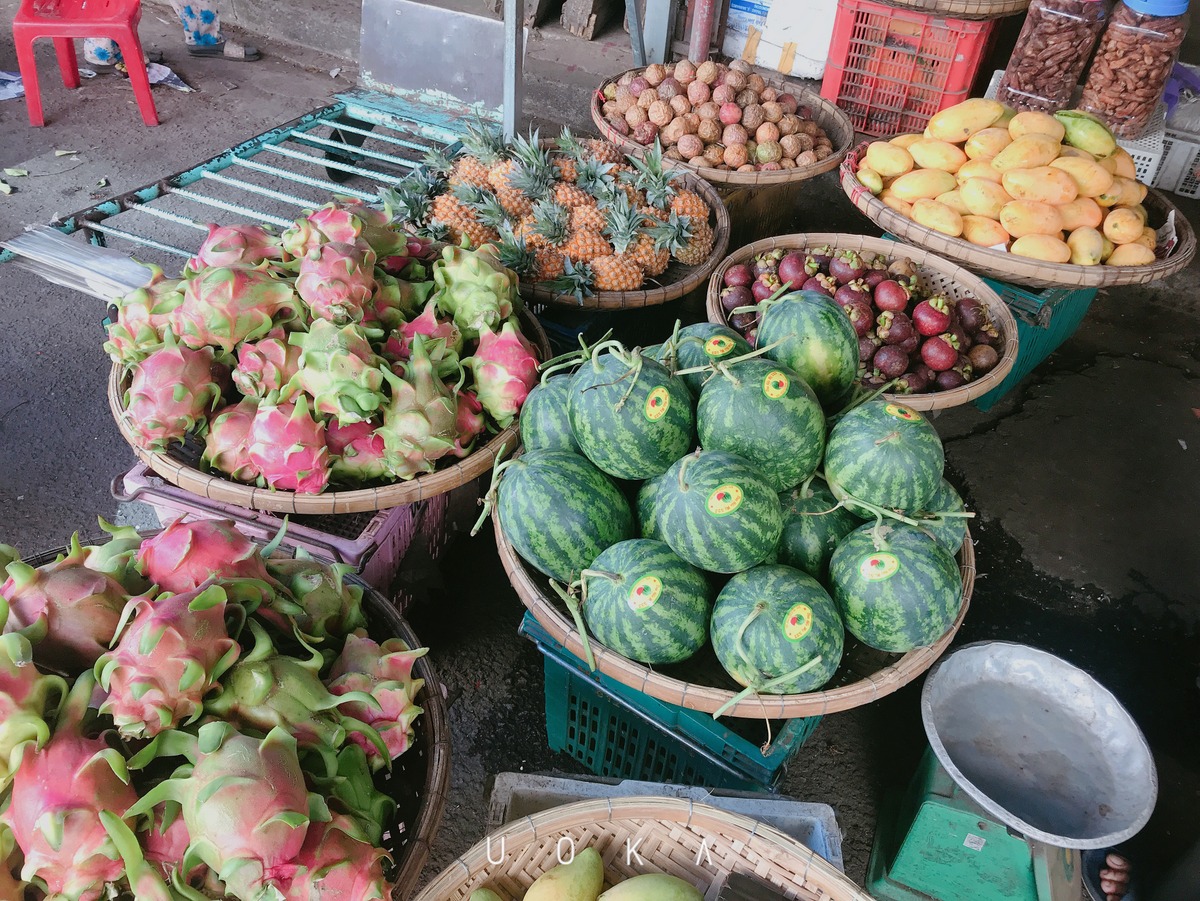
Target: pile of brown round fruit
point(715, 116)
point(925, 341)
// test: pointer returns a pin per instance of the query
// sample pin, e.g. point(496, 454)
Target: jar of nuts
point(1133, 62)
point(1054, 46)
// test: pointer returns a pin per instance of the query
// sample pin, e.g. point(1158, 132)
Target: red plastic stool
point(64, 20)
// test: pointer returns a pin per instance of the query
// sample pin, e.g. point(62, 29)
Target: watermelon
point(813, 524)
point(544, 423)
point(700, 345)
point(817, 342)
point(716, 511)
point(764, 412)
point(897, 588)
point(786, 621)
point(886, 454)
point(949, 533)
point(647, 522)
point(643, 601)
point(629, 415)
point(559, 511)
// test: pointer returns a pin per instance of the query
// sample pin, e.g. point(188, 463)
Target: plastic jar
point(1054, 46)
point(1133, 62)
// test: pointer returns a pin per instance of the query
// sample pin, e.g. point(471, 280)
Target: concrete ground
point(1083, 479)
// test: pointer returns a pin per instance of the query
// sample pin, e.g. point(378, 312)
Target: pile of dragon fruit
point(335, 352)
point(182, 718)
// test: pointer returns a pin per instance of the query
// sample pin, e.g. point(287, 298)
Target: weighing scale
point(1030, 761)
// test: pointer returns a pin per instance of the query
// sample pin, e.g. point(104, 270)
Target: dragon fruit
point(225, 306)
point(27, 700)
point(327, 604)
point(142, 318)
point(10, 885)
point(165, 843)
point(186, 555)
point(383, 672)
point(235, 245)
point(399, 344)
point(505, 369)
point(470, 422)
point(394, 300)
point(357, 452)
point(337, 863)
point(266, 365)
point(171, 392)
point(336, 281)
point(171, 655)
point(117, 557)
point(227, 444)
point(339, 370)
point(420, 421)
point(288, 447)
point(350, 788)
point(474, 288)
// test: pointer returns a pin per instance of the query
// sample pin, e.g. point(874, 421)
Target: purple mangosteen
point(867, 345)
point(940, 352)
point(861, 316)
point(914, 382)
point(890, 361)
point(855, 290)
point(894, 327)
point(823, 284)
point(791, 269)
point(932, 316)
point(846, 266)
point(736, 296)
point(738, 276)
point(891, 295)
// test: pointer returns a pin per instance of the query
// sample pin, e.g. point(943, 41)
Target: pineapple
point(585, 245)
point(690, 204)
point(529, 180)
point(483, 148)
point(514, 254)
point(570, 154)
point(587, 218)
point(576, 279)
point(616, 272)
point(409, 201)
point(548, 265)
point(652, 258)
point(594, 177)
point(457, 212)
point(604, 151)
point(624, 228)
point(487, 208)
point(436, 163)
point(551, 225)
point(690, 241)
point(570, 196)
point(649, 177)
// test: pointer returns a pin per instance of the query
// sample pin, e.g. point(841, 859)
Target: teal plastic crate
point(619, 732)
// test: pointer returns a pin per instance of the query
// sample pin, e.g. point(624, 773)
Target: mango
point(923, 183)
point(984, 198)
point(580, 880)
point(1045, 183)
point(1028, 217)
point(889, 160)
point(1109, 247)
point(1091, 179)
point(977, 169)
point(1005, 117)
point(1087, 133)
point(1042, 247)
point(984, 145)
point(1075, 152)
point(892, 202)
point(1027, 152)
point(1035, 123)
point(984, 232)
point(1131, 255)
point(1125, 166)
point(652, 887)
point(1082, 212)
point(1123, 192)
point(484, 894)
point(871, 180)
point(1108, 163)
point(938, 216)
point(1149, 238)
point(954, 200)
point(1087, 246)
point(959, 122)
point(1137, 208)
point(906, 141)
point(937, 155)
point(1122, 226)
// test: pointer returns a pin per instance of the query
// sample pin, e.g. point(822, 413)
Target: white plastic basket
point(1180, 170)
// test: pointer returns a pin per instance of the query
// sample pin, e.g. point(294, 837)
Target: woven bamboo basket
point(865, 674)
point(934, 274)
point(180, 463)
point(966, 9)
point(1022, 270)
point(683, 838)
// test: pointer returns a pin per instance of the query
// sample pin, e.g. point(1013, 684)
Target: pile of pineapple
point(580, 216)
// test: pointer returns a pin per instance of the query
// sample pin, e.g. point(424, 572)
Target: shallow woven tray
point(934, 274)
point(865, 674)
point(1009, 267)
point(693, 841)
point(180, 463)
point(966, 9)
point(826, 114)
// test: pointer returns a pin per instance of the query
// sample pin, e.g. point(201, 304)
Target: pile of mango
point(582, 879)
point(1055, 188)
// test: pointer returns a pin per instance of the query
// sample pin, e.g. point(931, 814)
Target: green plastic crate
point(619, 732)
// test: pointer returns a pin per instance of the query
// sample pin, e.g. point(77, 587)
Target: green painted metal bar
point(360, 151)
point(330, 186)
point(252, 188)
point(334, 164)
point(138, 239)
point(438, 123)
point(378, 136)
point(161, 214)
point(255, 215)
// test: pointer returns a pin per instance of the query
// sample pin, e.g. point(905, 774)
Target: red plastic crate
point(891, 69)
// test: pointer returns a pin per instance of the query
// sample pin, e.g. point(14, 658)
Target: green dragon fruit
point(420, 421)
point(336, 281)
point(339, 370)
point(186, 555)
point(171, 392)
point(475, 289)
point(395, 300)
point(338, 863)
point(357, 451)
point(225, 306)
point(171, 655)
point(27, 700)
point(227, 443)
point(142, 318)
point(266, 365)
point(328, 605)
point(349, 787)
point(288, 447)
point(469, 422)
point(235, 245)
point(505, 367)
point(382, 672)
point(117, 557)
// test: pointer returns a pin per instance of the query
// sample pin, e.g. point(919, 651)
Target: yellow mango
point(1122, 226)
point(1090, 177)
point(1109, 163)
point(1082, 212)
point(953, 200)
point(984, 198)
point(484, 894)
point(937, 216)
point(1087, 246)
point(1137, 208)
point(923, 183)
point(1045, 183)
point(892, 202)
point(959, 122)
point(1028, 217)
point(977, 169)
point(1131, 255)
point(983, 231)
point(1125, 166)
point(653, 887)
point(906, 141)
point(1075, 152)
point(871, 180)
point(1027, 152)
point(1035, 123)
point(984, 145)
point(1123, 192)
point(1149, 238)
point(1005, 117)
point(580, 880)
point(1042, 247)
point(937, 155)
point(1109, 247)
point(889, 160)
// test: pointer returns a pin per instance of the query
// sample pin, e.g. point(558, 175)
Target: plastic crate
point(891, 69)
point(620, 732)
point(1180, 170)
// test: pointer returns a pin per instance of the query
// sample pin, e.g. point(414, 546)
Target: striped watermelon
point(813, 524)
point(641, 600)
point(716, 511)
point(544, 423)
point(817, 342)
point(700, 345)
point(764, 412)
point(897, 588)
point(785, 621)
point(559, 511)
point(629, 415)
point(949, 533)
point(644, 512)
point(885, 454)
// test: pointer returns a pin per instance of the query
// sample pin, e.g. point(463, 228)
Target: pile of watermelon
point(700, 492)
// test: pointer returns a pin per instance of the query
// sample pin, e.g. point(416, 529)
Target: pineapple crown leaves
point(484, 142)
point(577, 280)
point(623, 223)
point(650, 176)
point(409, 201)
point(527, 151)
point(594, 176)
point(470, 194)
point(513, 254)
point(569, 144)
point(437, 162)
point(552, 221)
point(532, 181)
point(434, 231)
point(673, 234)
point(490, 212)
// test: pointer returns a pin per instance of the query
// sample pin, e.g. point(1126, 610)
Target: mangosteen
point(894, 327)
point(964, 368)
point(738, 275)
point(855, 290)
point(767, 262)
point(911, 344)
point(736, 296)
point(890, 361)
point(846, 266)
point(972, 314)
point(989, 335)
point(949, 379)
point(903, 268)
point(914, 382)
point(765, 285)
point(923, 370)
point(940, 352)
point(964, 340)
point(932, 316)
point(867, 345)
point(822, 284)
point(820, 257)
point(861, 316)
point(751, 337)
point(875, 277)
point(891, 295)
point(791, 269)
point(743, 321)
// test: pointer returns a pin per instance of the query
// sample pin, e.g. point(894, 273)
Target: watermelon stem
point(879, 512)
point(683, 465)
point(489, 499)
point(711, 367)
point(570, 358)
point(762, 305)
point(637, 371)
point(573, 606)
point(599, 573)
point(616, 348)
point(861, 399)
point(766, 687)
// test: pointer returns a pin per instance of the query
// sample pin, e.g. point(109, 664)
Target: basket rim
point(358, 500)
point(934, 400)
point(707, 699)
point(1008, 267)
point(965, 9)
point(826, 112)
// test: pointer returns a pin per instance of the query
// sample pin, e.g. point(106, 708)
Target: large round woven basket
point(934, 275)
point(966, 9)
point(865, 674)
point(1009, 267)
point(683, 838)
point(179, 464)
point(826, 114)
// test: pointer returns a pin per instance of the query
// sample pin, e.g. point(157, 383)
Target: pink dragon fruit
point(171, 392)
point(227, 444)
point(337, 863)
point(225, 306)
point(266, 365)
point(357, 451)
point(27, 699)
point(470, 422)
point(475, 288)
point(142, 318)
point(505, 367)
point(414, 251)
point(339, 370)
point(327, 605)
point(165, 844)
point(383, 672)
point(420, 421)
point(185, 555)
point(117, 557)
point(399, 345)
point(288, 447)
point(337, 280)
point(395, 300)
point(235, 245)
point(171, 655)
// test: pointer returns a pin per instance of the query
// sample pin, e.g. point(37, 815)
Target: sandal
point(225, 50)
